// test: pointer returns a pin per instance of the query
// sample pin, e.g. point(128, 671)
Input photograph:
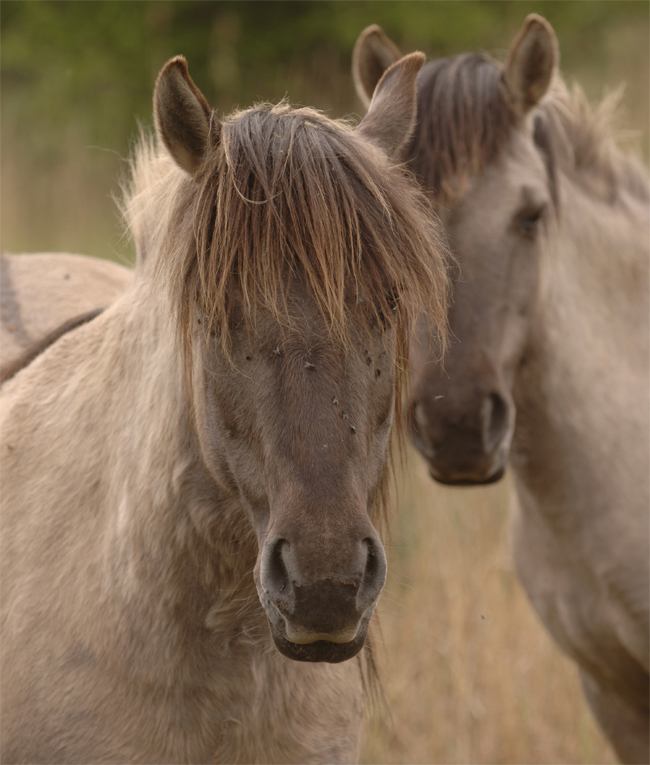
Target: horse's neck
point(161, 528)
point(594, 302)
point(160, 481)
point(582, 396)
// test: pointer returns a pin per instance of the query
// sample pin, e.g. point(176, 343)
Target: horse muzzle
point(320, 615)
point(467, 448)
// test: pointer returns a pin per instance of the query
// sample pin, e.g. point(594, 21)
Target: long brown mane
point(291, 195)
point(466, 119)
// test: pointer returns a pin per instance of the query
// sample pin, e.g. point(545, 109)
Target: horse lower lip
point(321, 650)
point(344, 636)
point(467, 480)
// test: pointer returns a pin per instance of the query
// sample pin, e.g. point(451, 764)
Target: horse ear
point(393, 110)
point(372, 56)
point(532, 61)
point(183, 118)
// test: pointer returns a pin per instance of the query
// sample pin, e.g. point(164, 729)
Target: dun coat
point(193, 480)
point(40, 292)
point(549, 224)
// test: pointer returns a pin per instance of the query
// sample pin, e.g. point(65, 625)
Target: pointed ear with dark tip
point(373, 54)
point(182, 116)
point(532, 61)
point(393, 110)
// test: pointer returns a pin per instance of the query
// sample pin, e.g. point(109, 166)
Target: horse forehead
point(516, 177)
point(306, 328)
point(522, 160)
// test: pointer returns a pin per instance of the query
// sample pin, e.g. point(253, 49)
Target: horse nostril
point(495, 421)
point(374, 574)
point(419, 430)
point(276, 576)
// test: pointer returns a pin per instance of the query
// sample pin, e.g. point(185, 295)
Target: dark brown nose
point(465, 441)
point(324, 599)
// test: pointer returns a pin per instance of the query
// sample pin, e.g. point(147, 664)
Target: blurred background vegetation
point(78, 76)
point(469, 674)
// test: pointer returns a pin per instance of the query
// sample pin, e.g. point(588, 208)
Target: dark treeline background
point(78, 76)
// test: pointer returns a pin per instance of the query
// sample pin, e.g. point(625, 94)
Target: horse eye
point(527, 221)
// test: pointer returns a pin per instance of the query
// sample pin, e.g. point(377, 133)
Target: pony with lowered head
point(193, 480)
point(548, 366)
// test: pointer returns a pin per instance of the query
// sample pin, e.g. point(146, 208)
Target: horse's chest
point(285, 711)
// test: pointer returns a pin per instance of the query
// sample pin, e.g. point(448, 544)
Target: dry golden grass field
point(469, 673)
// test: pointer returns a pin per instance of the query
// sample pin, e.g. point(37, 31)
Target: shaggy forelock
point(289, 194)
point(464, 120)
point(292, 194)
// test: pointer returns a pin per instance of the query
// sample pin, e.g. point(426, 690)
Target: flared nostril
point(276, 577)
point(495, 421)
point(374, 575)
point(418, 428)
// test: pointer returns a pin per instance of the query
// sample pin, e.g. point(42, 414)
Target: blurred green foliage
point(78, 75)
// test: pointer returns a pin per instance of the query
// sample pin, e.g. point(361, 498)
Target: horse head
point(298, 264)
point(483, 153)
